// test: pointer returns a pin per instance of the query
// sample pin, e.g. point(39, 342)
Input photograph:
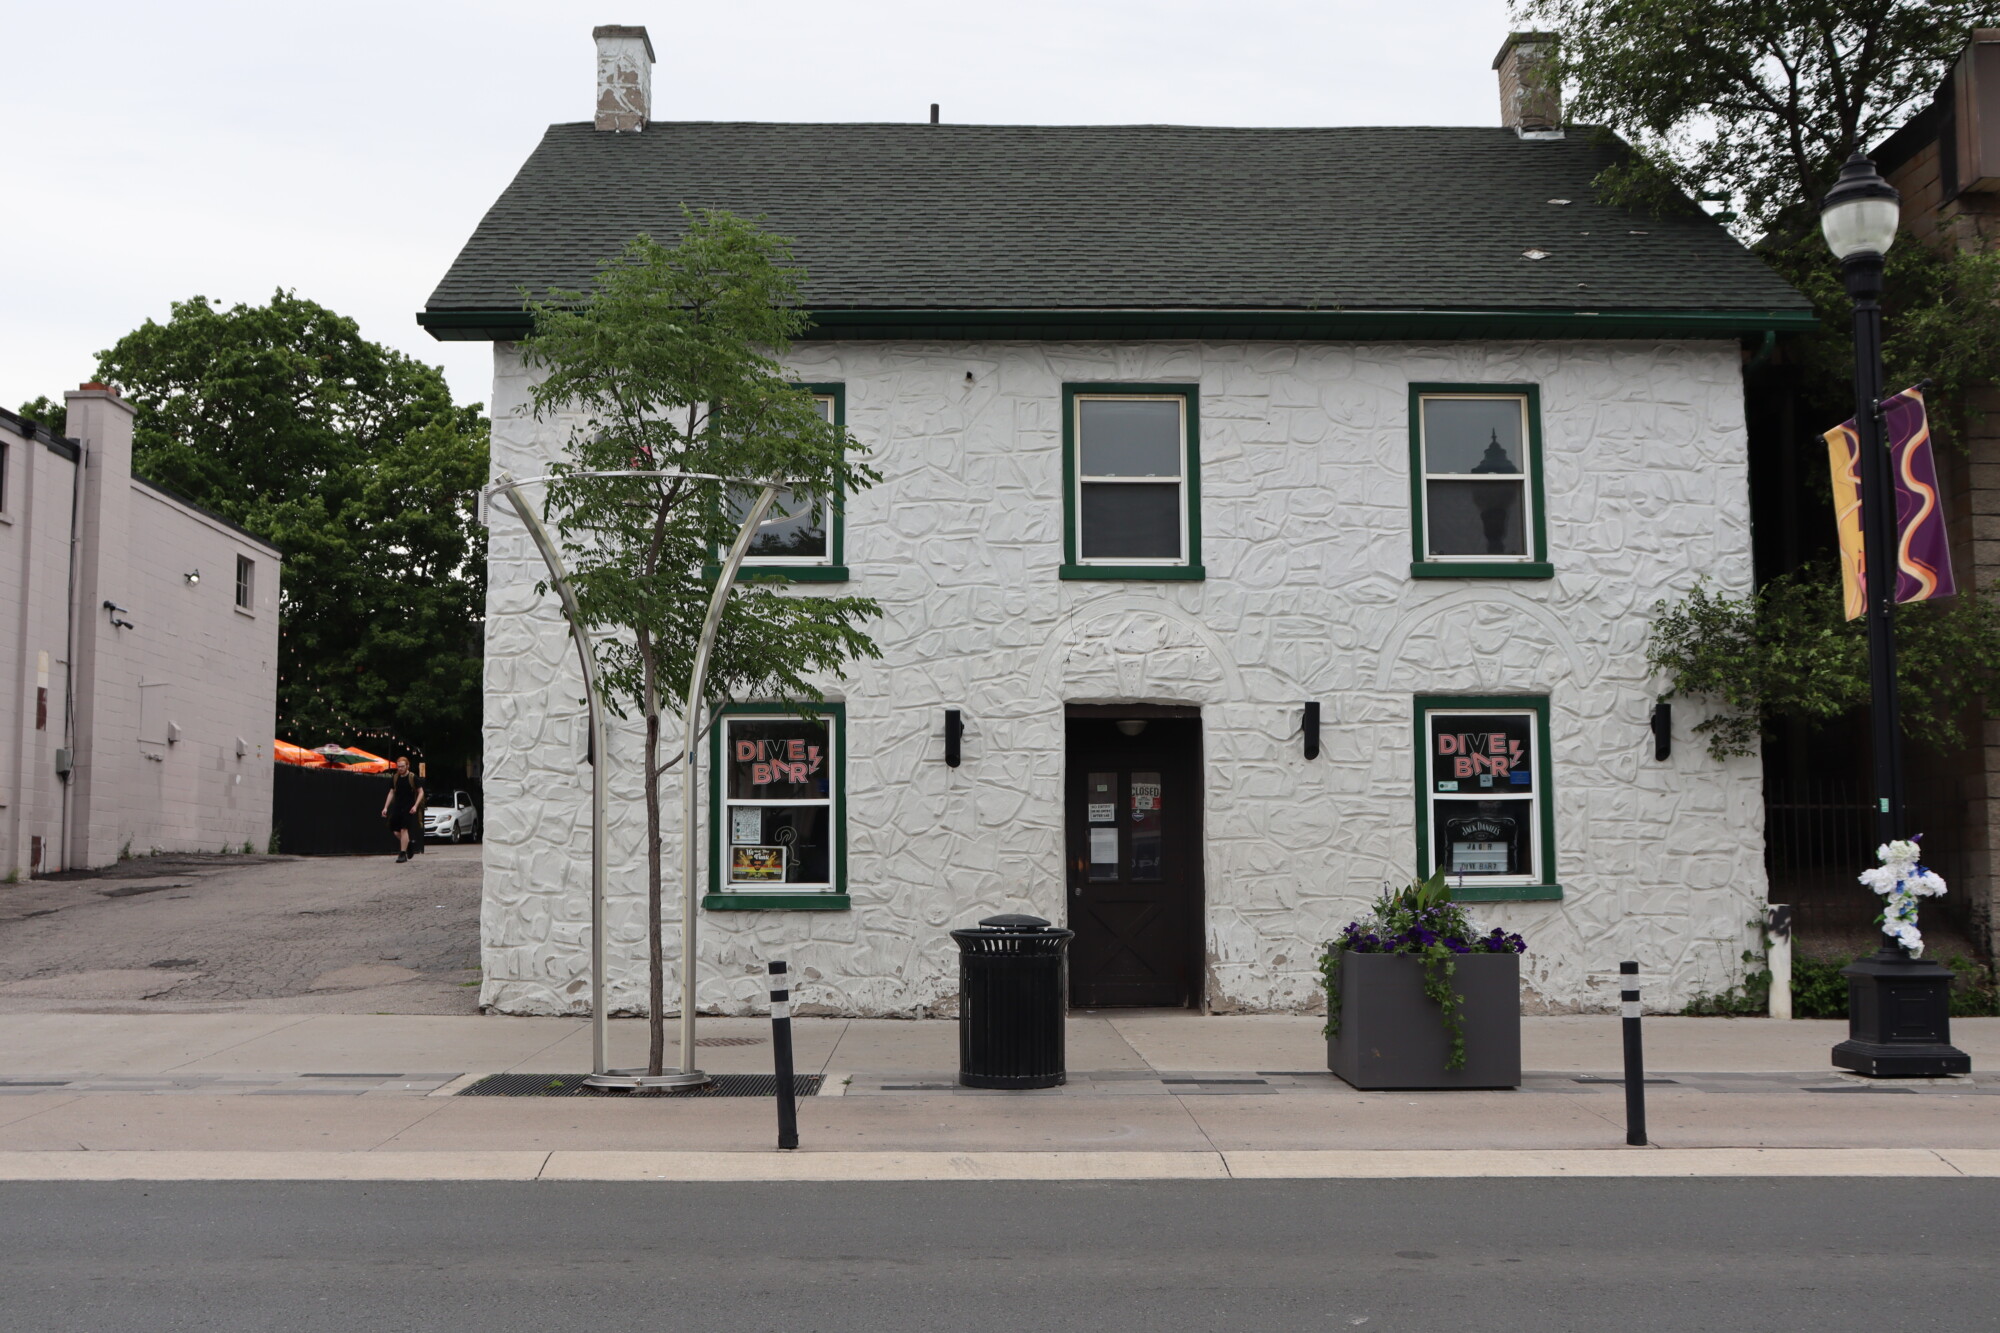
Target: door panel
point(1134, 816)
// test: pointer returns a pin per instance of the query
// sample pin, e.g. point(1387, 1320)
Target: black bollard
point(1635, 1060)
point(781, 1057)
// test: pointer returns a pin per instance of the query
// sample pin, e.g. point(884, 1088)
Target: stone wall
point(1306, 514)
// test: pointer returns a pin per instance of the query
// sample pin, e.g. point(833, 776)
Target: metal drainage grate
point(571, 1085)
point(1596, 1078)
point(731, 1041)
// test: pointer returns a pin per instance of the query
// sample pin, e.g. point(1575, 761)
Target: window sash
point(788, 561)
point(1531, 801)
point(835, 821)
point(1520, 479)
point(1081, 478)
point(246, 589)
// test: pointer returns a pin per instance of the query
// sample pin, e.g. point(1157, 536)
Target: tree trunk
point(656, 1000)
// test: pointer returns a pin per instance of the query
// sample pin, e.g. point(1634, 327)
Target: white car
point(456, 821)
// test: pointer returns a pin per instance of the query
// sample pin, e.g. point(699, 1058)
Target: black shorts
point(405, 821)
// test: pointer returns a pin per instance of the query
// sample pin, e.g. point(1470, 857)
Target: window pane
point(1475, 518)
point(1129, 437)
point(800, 537)
point(1479, 752)
point(1130, 520)
point(1100, 796)
point(1147, 833)
point(1477, 436)
point(793, 846)
point(778, 760)
point(1474, 838)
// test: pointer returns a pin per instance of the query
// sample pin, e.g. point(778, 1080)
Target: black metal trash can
point(1013, 993)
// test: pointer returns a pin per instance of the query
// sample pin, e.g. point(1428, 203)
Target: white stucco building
point(1280, 511)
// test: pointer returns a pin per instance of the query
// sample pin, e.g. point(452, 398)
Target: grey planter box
point(1392, 1036)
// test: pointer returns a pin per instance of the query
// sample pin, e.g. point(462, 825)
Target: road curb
point(750, 1167)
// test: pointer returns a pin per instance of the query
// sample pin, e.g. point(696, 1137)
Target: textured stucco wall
point(1305, 492)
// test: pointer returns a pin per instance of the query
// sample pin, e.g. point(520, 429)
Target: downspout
point(69, 641)
point(1764, 351)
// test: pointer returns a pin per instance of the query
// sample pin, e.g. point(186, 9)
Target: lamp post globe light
point(1898, 1007)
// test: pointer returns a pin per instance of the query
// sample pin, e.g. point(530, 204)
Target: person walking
point(404, 808)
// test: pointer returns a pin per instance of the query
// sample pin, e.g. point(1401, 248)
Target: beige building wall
point(174, 685)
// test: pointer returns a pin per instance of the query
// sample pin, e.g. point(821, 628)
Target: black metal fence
point(1819, 835)
point(327, 812)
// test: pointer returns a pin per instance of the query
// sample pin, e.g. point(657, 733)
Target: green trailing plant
point(1788, 650)
point(1421, 920)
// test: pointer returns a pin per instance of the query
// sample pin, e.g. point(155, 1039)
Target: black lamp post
point(1898, 1008)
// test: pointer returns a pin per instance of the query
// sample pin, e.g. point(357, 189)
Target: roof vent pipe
point(624, 77)
point(1530, 98)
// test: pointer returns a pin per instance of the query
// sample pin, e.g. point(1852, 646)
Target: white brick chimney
point(624, 77)
point(1530, 98)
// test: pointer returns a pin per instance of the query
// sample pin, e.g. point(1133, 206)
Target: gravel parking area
point(211, 933)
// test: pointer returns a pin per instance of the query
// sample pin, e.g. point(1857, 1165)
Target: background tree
point(671, 363)
point(354, 461)
point(1759, 103)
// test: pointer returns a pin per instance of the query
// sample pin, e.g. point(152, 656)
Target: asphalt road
point(1486, 1256)
point(210, 933)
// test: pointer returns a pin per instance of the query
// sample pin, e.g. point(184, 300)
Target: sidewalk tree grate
point(571, 1085)
point(731, 1041)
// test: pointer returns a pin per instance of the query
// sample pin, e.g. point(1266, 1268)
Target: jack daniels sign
point(1482, 790)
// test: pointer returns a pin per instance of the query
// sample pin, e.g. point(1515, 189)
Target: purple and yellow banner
point(1923, 559)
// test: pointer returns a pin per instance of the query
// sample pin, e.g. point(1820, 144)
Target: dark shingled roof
point(968, 218)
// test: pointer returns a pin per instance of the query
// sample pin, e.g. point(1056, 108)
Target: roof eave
point(1315, 325)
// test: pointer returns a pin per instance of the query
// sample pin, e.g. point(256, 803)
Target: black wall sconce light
point(954, 732)
point(1309, 730)
point(1663, 730)
point(117, 612)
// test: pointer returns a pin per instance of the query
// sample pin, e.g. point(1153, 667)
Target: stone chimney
point(624, 77)
point(1530, 98)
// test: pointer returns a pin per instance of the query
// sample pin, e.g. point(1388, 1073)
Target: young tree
point(353, 460)
point(671, 364)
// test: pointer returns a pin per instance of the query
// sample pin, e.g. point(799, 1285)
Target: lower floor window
point(1483, 805)
point(778, 816)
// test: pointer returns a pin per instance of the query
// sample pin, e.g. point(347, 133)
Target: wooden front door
point(1134, 842)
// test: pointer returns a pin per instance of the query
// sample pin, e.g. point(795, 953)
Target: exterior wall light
point(1663, 730)
point(193, 576)
point(954, 732)
point(1309, 730)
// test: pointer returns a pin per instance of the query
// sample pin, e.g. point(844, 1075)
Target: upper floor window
point(246, 576)
point(1476, 482)
point(1132, 482)
point(803, 536)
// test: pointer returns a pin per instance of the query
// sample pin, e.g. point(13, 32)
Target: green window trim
point(1550, 887)
point(1530, 569)
point(1190, 568)
point(776, 902)
point(768, 900)
point(1424, 565)
point(835, 568)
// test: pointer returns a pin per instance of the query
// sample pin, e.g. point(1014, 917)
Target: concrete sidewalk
point(373, 1096)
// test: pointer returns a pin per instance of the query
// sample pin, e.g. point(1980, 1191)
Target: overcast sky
point(158, 151)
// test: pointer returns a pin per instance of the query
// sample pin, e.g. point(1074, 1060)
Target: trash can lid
point(1014, 921)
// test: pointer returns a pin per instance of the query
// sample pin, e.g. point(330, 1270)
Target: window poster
point(1473, 753)
point(746, 824)
point(756, 865)
point(1148, 835)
